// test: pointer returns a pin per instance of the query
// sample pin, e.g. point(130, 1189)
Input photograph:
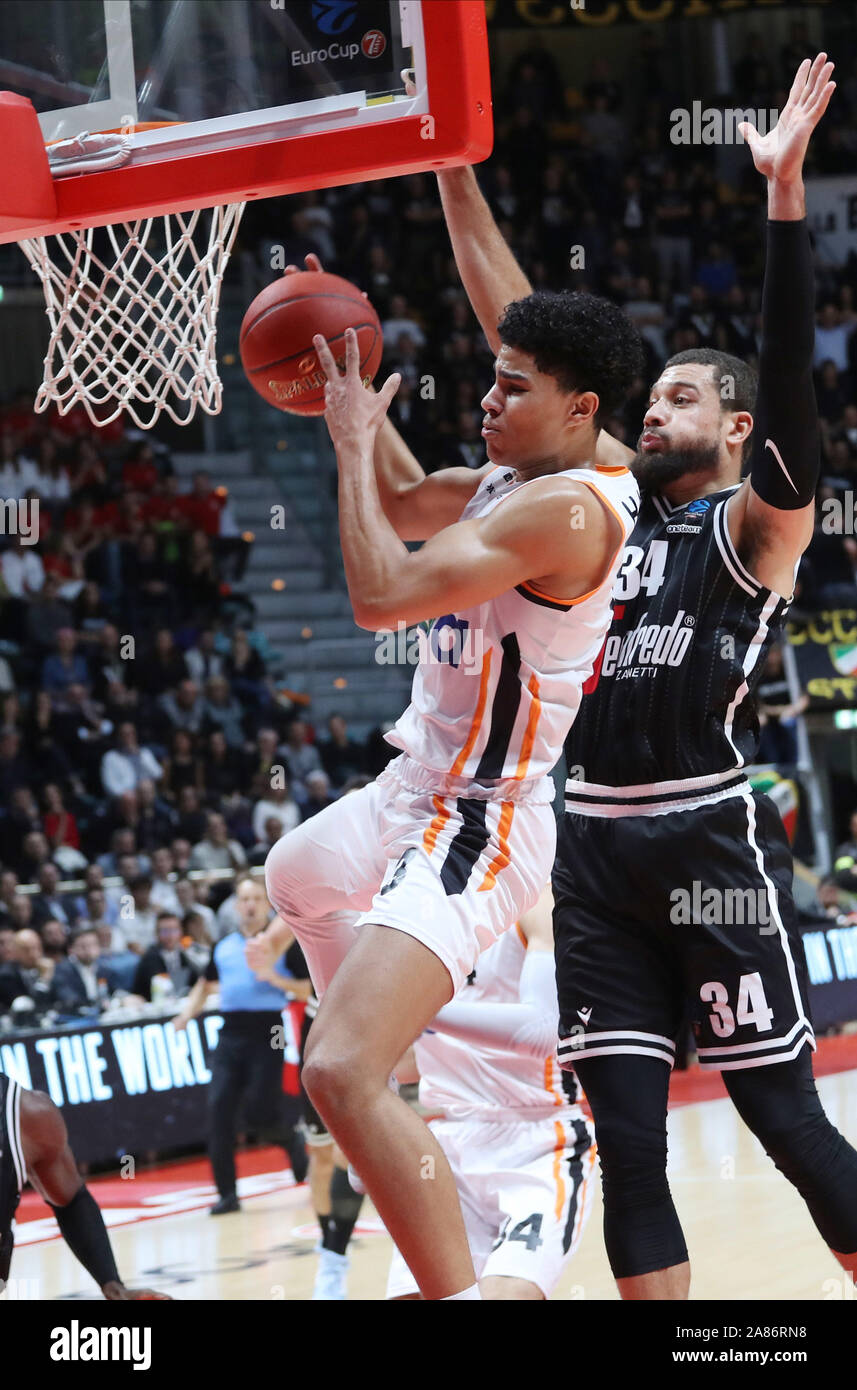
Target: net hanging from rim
point(132, 307)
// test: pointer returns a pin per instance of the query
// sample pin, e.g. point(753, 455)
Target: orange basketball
point(276, 337)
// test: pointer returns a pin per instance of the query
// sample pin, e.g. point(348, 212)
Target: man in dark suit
point(79, 984)
point(29, 974)
point(165, 957)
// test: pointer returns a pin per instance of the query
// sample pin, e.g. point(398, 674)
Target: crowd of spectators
point(145, 749)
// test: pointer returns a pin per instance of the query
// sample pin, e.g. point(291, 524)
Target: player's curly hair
point(584, 342)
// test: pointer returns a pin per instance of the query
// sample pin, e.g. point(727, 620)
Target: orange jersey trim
point(559, 1146)
point(550, 1087)
point(430, 836)
point(477, 717)
point(504, 857)
point(530, 731)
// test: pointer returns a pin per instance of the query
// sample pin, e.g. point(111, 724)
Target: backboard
point(226, 101)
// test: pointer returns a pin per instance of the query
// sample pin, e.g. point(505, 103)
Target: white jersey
point(498, 685)
point(464, 1081)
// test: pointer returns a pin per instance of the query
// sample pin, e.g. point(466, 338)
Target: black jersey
point(671, 696)
point(13, 1171)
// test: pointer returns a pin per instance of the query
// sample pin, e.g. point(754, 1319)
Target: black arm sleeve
point(785, 453)
point(82, 1227)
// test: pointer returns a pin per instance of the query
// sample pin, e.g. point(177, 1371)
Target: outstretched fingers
point(326, 358)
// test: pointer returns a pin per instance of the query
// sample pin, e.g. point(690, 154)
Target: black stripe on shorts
point(466, 845)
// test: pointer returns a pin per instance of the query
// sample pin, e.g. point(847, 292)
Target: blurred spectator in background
point(221, 710)
point(165, 958)
point(279, 805)
point(163, 891)
point(66, 666)
point(216, 850)
point(79, 984)
point(778, 712)
point(137, 922)
point(301, 757)
point(124, 767)
point(340, 755)
point(317, 793)
point(49, 902)
point(29, 974)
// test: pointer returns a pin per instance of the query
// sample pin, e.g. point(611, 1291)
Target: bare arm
point(52, 1169)
point(489, 272)
point(419, 505)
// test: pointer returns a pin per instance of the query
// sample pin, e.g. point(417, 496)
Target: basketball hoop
point(134, 323)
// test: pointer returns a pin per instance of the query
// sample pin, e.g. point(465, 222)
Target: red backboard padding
point(26, 187)
point(459, 102)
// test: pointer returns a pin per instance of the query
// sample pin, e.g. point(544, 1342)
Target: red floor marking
point(157, 1184)
point(689, 1087)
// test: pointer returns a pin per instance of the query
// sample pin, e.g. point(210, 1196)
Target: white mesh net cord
point(135, 329)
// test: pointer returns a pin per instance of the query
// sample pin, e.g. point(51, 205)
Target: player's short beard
point(656, 470)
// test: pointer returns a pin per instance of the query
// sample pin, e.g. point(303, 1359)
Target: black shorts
point(316, 1132)
point(691, 908)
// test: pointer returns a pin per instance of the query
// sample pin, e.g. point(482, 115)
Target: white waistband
point(653, 798)
point(416, 777)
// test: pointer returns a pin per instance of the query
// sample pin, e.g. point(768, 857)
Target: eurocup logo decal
point(334, 16)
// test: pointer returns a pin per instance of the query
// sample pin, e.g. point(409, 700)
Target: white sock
point(472, 1292)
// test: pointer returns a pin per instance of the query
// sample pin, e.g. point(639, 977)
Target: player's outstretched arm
point(53, 1172)
point(771, 517)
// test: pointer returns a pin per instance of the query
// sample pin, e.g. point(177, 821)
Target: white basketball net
point(135, 328)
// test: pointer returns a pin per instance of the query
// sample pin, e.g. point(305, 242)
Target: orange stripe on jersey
point(610, 508)
point(477, 718)
point(614, 468)
point(430, 836)
point(530, 731)
point(550, 1067)
point(521, 937)
point(504, 857)
point(531, 589)
point(558, 1148)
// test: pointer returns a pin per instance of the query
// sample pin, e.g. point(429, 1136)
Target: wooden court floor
point(748, 1232)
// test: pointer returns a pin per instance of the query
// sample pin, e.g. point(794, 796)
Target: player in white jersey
point(455, 839)
point(521, 1150)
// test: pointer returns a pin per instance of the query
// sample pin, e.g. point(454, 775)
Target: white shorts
point(526, 1190)
point(423, 852)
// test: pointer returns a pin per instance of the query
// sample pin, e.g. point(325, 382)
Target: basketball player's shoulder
point(43, 1130)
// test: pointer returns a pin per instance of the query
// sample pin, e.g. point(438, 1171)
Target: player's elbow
point(369, 614)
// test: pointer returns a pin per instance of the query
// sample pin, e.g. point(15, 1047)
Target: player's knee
point(633, 1160)
point(328, 1082)
point(284, 876)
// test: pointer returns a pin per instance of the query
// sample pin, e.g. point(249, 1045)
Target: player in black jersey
point(34, 1145)
point(673, 880)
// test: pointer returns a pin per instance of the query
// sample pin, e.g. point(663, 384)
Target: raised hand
point(779, 155)
point(353, 414)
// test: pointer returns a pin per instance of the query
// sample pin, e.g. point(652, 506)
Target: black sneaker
point(226, 1204)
